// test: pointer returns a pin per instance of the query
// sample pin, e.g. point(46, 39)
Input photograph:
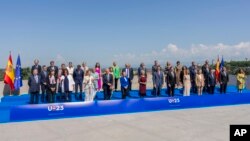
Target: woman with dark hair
point(67, 84)
point(241, 80)
point(142, 84)
point(51, 84)
point(99, 71)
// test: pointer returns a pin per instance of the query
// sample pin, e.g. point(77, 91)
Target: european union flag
point(222, 63)
point(18, 74)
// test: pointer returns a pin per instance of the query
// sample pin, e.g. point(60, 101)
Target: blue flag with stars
point(18, 74)
point(222, 63)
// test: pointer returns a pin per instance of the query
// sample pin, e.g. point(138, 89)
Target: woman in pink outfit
point(99, 71)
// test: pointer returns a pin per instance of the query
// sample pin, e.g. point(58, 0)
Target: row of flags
point(218, 67)
point(13, 79)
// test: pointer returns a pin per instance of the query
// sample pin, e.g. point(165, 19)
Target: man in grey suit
point(34, 83)
point(158, 79)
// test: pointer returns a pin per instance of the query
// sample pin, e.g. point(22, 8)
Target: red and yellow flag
point(217, 69)
point(9, 75)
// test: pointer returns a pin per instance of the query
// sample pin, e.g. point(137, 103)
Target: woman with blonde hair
point(241, 80)
point(186, 83)
point(200, 82)
point(89, 86)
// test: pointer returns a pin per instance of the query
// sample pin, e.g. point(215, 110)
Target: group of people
point(68, 80)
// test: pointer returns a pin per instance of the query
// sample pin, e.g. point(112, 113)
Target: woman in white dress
point(89, 86)
point(67, 84)
point(186, 83)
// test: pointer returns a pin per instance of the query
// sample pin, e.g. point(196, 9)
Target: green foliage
point(234, 66)
point(25, 73)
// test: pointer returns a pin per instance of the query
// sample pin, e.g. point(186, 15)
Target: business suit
point(50, 86)
point(107, 79)
point(205, 72)
point(44, 75)
point(130, 76)
point(38, 67)
point(171, 81)
point(211, 81)
point(124, 86)
point(158, 80)
point(224, 79)
point(34, 83)
point(78, 76)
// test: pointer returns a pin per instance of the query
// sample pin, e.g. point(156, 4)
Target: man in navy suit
point(130, 75)
point(158, 80)
point(36, 66)
point(171, 82)
point(124, 85)
point(211, 81)
point(107, 84)
point(78, 76)
point(224, 79)
point(34, 87)
point(44, 75)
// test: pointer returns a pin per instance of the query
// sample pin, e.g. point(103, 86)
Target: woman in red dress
point(143, 83)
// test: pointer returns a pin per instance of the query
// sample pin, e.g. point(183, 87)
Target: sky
point(125, 31)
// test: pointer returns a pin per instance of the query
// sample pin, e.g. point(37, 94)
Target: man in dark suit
point(140, 69)
point(158, 80)
point(211, 81)
point(224, 79)
point(171, 82)
point(107, 84)
point(36, 66)
point(78, 76)
point(44, 75)
point(130, 75)
point(193, 71)
point(205, 72)
point(53, 67)
point(34, 83)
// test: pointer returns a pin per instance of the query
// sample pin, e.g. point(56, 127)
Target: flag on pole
point(217, 69)
point(9, 74)
point(221, 64)
point(18, 74)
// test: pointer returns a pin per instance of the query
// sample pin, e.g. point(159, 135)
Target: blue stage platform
point(16, 108)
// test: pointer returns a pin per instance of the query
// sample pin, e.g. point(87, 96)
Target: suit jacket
point(55, 69)
point(33, 85)
point(158, 79)
point(43, 77)
point(78, 76)
point(106, 80)
point(211, 80)
point(124, 82)
point(224, 78)
point(171, 79)
point(38, 67)
point(131, 73)
point(49, 85)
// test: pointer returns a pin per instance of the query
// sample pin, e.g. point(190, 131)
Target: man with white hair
point(36, 66)
point(211, 81)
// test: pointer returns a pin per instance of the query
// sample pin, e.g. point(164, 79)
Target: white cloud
point(196, 52)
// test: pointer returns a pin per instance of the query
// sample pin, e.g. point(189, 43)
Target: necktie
point(108, 77)
point(128, 73)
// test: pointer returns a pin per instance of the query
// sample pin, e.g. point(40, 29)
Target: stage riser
point(83, 109)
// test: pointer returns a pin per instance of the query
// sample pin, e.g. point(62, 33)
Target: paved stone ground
point(204, 124)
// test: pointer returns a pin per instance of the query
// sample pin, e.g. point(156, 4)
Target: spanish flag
point(9, 75)
point(217, 69)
